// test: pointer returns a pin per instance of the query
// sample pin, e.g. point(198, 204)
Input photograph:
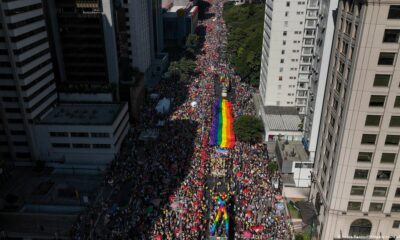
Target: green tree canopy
point(182, 69)
point(273, 167)
point(249, 129)
point(245, 25)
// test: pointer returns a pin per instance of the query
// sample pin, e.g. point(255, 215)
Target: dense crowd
point(159, 188)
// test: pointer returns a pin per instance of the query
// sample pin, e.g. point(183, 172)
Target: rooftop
point(278, 110)
point(278, 118)
point(293, 151)
point(83, 114)
point(278, 122)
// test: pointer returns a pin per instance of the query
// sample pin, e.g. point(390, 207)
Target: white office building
point(27, 87)
point(356, 171)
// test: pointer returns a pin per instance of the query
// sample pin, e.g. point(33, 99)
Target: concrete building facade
point(356, 173)
point(84, 40)
point(27, 86)
point(82, 135)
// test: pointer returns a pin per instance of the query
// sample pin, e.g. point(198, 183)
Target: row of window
point(375, 120)
point(377, 192)
point(373, 207)
point(385, 157)
point(79, 145)
point(382, 175)
point(371, 139)
point(379, 101)
point(80, 134)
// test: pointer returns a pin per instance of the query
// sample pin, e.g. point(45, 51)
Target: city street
point(165, 188)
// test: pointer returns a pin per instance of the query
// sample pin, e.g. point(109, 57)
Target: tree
point(249, 129)
point(272, 167)
point(245, 33)
point(191, 45)
point(182, 69)
point(299, 237)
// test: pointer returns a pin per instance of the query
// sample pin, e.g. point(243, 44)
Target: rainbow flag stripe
point(222, 126)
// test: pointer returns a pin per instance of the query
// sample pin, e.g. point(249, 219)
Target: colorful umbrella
point(257, 228)
point(249, 213)
point(247, 235)
point(158, 237)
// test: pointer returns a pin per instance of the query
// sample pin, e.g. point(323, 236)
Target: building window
point(392, 139)
point(386, 58)
point(100, 135)
point(372, 120)
point(381, 80)
point(397, 193)
point(361, 174)
point(394, 121)
point(375, 207)
point(282, 60)
point(284, 33)
point(368, 139)
point(364, 157)
point(388, 157)
point(395, 207)
point(394, 12)
point(391, 36)
point(79, 134)
point(379, 192)
point(101, 146)
point(81, 145)
point(287, 4)
point(383, 175)
point(357, 190)
point(377, 100)
point(58, 134)
point(397, 102)
point(354, 206)
point(396, 224)
point(60, 145)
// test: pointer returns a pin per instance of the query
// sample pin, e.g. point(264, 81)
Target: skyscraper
point(84, 40)
point(356, 173)
point(27, 87)
point(290, 30)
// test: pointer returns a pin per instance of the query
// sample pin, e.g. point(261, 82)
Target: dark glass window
point(377, 100)
point(372, 120)
point(364, 157)
point(379, 192)
point(360, 174)
point(392, 139)
point(375, 207)
point(354, 206)
point(386, 58)
point(357, 190)
point(383, 175)
point(368, 139)
point(394, 121)
point(388, 157)
point(391, 36)
point(394, 12)
point(381, 80)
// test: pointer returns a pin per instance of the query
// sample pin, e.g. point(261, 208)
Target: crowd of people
point(159, 188)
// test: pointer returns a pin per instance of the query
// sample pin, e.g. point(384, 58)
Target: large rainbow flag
point(222, 125)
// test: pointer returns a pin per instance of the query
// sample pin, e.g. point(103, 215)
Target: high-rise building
point(84, 38)
point(27, 86)
point(356, 175)
point(296, 51)
point(290, 29)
